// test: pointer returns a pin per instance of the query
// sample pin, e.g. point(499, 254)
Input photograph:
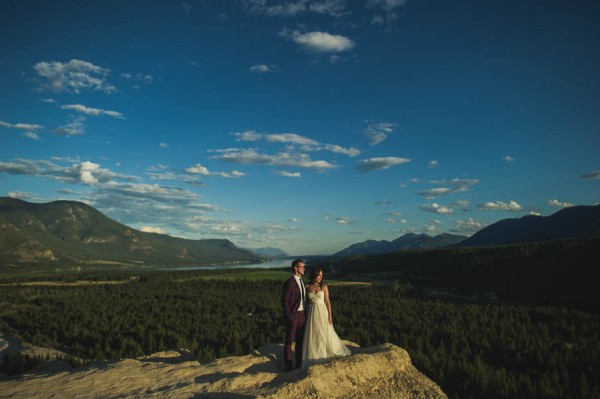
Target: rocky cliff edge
point(383, 371)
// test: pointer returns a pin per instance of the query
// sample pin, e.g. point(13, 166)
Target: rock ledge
point(373, 372)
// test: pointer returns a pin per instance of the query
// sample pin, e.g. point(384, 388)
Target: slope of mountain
point(407, 241)
point(576, 221)
point(73, 233)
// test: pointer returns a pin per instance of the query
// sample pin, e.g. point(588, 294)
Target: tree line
point(472, 350)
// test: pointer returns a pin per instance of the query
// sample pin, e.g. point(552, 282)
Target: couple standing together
point(309, 323)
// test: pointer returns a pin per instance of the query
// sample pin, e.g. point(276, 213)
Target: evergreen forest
point(472, 350)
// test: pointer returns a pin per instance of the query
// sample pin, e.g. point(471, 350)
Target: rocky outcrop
point(383, 371)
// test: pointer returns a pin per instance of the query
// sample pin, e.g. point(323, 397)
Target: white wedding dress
point(320, 340)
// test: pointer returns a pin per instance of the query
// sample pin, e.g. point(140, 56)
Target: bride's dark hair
point(314, 272)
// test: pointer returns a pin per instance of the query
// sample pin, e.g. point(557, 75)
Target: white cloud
point(149, 229)
point(386, 5)
point(251, 156)
point(149, 192)
point(32, 136)
point(165, 176)
point(73, 76)
point(249, 135)
point(592, 175)
point(437, 208)
point(262, 68)
point(352, 152)
point(377, 20)
point(454, 185)
point(432, 164)
point(164, 145)
point(291, 138)
point(92, 111)
point(555, 202)
point(430, 228)
point(378, 132)
point(199, 169)
point(467, 226)
point(379, 163)
point(138, 77)
point(306, 143)
point(343, 220)
point(22, 195)
point(508, 158)
point(320, 42)
point(294, 220)
point(460, 204)
point(74, 128)
point(171, 207)
point(286, 10)
point(21, 126)
point(288, 174)
point(329, 7)
point(87, 173)
point(332, 8)
point(501, 206)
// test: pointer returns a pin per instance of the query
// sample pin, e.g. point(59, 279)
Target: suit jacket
point(290, 298)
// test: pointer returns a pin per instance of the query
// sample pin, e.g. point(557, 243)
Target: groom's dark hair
point(296, 261)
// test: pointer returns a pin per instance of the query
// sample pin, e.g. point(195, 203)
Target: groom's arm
point(286, 299)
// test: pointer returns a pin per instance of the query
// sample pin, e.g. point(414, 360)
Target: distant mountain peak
point(408, 241)
point(269, 252)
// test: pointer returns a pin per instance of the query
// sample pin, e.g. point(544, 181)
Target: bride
point(320, 339)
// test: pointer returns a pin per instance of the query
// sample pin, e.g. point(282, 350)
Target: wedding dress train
point(320, 339)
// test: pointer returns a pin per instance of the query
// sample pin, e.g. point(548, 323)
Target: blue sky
point(303, 125)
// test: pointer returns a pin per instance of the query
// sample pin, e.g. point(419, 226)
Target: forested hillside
point(561, 272)
point(472, 350)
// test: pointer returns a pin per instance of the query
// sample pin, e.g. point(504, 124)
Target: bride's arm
point(328, 303)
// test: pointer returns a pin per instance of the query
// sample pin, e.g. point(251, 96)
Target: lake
point(274, 264)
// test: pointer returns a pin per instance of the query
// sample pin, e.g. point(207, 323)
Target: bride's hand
point(330, 320)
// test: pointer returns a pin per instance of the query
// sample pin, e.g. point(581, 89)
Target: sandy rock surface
point(383, 371)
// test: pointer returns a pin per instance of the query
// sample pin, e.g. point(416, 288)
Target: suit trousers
point(294, 332)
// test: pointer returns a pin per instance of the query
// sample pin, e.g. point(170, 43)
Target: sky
point(305, 125)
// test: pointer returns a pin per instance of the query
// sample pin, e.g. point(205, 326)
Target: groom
point(293, 301)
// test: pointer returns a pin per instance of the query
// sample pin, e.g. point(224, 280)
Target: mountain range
point(572, 222)
point(72, 233)
point(407, 241)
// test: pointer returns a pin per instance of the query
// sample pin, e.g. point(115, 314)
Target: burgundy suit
point(291, 297)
